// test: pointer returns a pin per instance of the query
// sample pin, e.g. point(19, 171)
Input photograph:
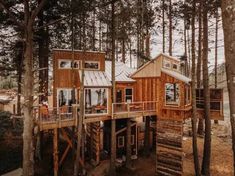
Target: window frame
point(176, 104)
point(90, 61)
point(70, 62)
point(165, 62)
point(123, 141)
point(67, 89)
point(132, 97)
point(95, 114)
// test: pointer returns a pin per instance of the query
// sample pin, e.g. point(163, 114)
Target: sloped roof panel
point(176, 75)
point(95, 79)
point(122, 72)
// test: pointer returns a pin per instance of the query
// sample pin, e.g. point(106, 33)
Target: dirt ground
point(221, 158)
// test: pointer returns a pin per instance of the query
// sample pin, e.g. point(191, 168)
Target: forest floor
point(221, 157)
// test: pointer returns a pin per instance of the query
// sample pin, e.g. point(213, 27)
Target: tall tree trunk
point(170, 27)
point(207, 139)
point(77, 166)
point(216, 49)
point(43, 54)
point(163, 26)
point(28, 152)
point(194, 114)
point(228, 18)
point(185, 49)
point(123, 51)
point(199, 62)
point(19, 79)
point(113, 121)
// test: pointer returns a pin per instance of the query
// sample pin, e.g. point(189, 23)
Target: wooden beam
point(55, 150)
point(147, 136)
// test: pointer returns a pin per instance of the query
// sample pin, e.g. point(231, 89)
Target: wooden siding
point(146, 89)
point(151, 69)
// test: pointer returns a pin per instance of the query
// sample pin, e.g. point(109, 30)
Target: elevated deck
point(53, 118)
point(134, 109)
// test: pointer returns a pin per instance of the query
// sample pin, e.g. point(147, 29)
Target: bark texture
point(228, 18)
point(207, 139)
point(194, 114)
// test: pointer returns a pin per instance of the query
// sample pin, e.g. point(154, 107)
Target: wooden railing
point(56, 117)
point(215, 105)
point(134, 107)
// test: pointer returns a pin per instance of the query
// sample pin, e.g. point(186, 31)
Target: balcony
point(50, 118)
point(134, 109)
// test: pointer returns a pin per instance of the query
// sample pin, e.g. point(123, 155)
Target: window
point(175, 67)
point(132, 139)
point(93, 65)
point(64, 97)
point(166, 64)
point(96, 101)
point(64, 64)
point(172, 94)
point(67, 64)
point(187, 95)
point(121, 141)
point(119, 96)
point(129, 95)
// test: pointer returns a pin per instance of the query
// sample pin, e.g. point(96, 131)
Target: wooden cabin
point(160, 80)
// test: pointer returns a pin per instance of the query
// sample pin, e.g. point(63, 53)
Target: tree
point(199, 62)
point(30, 13)
point(194, 113)
point(228, 18)
point(207, 139)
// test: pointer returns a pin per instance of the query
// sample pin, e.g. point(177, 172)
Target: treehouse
point(157, 92)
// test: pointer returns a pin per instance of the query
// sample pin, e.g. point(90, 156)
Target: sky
point(178, 45)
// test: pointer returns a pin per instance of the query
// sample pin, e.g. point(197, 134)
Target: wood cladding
point(169, 147)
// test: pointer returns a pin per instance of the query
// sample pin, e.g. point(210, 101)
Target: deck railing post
point(128, 109)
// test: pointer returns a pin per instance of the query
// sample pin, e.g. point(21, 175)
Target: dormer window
point(92, 65)
point(68, 64)
point(175, 67)
point(166, 64)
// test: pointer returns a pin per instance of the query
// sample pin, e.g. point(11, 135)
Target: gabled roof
point(122, 72)
point(95, 79)
point(146, 64)
point(176, 75)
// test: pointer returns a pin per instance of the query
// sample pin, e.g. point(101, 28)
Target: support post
point(55, 150)
point(128, 143)
point(146, 136)
point(113, 148)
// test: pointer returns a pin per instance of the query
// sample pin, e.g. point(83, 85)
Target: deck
point(134, 109)
point(52, 118)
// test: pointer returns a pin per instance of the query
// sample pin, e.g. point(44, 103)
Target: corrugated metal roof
point(95, 79)
point(176, 75)
point(122, 71)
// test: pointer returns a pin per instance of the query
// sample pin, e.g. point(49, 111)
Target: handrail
point(133, 107)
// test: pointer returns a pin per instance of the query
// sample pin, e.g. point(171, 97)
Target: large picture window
point(172, 93)
point(96, 101)
point(65, 97)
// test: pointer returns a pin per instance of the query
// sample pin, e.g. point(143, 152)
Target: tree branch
point(37, 10)
point(11, 15)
